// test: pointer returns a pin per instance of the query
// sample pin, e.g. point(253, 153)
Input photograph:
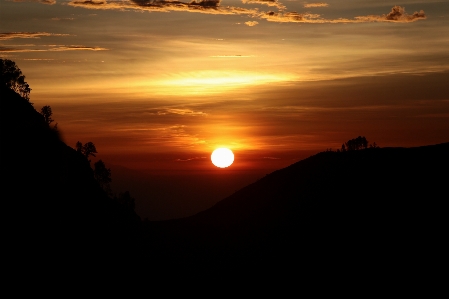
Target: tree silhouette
point(374, 145)
point(79, 146)
point(126, 200)
point(102, 175)
point(356, 144)
point(47, 113)
point(11, 77)
point(88, 149)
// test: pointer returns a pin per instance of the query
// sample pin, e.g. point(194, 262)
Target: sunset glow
point(210, 82)
point(158, 85)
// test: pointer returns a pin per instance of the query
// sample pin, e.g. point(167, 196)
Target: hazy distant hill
point(366, 206)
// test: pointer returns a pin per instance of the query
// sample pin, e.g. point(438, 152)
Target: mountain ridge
point(381, 196)
point(387, 204)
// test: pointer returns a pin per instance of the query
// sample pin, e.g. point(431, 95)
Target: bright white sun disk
point(222, 157)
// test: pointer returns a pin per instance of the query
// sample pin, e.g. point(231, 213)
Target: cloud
point(232, 56)
point(77, 48)
point(291, 17)
point(61, 19)
point(274, 3)
point(39, 59)
point(397, 14)
point(187, 112)
point(251, 23)
point(174, 111)
point(202, 6)
point(11, 35)
point(318, 4)
point(190, 159)
point(53, 49)
point(49, 2)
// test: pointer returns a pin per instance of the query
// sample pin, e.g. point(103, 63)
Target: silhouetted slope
point(384, 204)
point(54, 200)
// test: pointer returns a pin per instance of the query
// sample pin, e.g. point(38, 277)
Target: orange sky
point(158, 85)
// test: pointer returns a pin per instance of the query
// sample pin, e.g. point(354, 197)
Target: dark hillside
point(387, 203)
point(370, 208)
point(53, 198)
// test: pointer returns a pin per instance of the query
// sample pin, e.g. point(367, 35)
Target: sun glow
point(215, 82)
point(222, 157)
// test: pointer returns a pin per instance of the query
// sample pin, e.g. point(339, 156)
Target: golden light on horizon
point(222, 157)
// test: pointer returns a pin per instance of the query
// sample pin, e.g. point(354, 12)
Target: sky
point(158, 85)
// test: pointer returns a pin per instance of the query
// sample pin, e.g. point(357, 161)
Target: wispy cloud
point(12, 35)
point(52, 49)
point(186, 112)
point(49, 2)
point(251, 23)
point(62, 19)
point(38, 59)
point(190, 159)
point(274, 3)
point(291, 17)
point(232, 56)
point(397, 14)
point(318, 4)
point(202, 6)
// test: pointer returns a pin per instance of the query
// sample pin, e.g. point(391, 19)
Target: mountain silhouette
point(55, 206)
point(369, 207)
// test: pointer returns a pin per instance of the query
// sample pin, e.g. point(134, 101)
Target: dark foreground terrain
point(371, 208)
point(362, 209)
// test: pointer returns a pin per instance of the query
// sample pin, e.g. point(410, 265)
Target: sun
point(222, 157)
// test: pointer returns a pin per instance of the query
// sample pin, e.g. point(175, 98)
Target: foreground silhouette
point(369, 209)
point(372, 208)
point(58, 211)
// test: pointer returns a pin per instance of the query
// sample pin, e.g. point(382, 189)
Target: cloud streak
point(178, 111)
point(397, 13)
point(274, 3)
point(53, 49)
point(189, 159)
point(318, 4)
point(12, 35)
point(251, 23)
point(232, 56)
point(49, 2)
point(202, 6)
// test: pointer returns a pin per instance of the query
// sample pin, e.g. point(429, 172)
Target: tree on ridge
point(88, 149)
point(47, 113)
point(11, 77)
point(356, 143)
point(103, 175)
